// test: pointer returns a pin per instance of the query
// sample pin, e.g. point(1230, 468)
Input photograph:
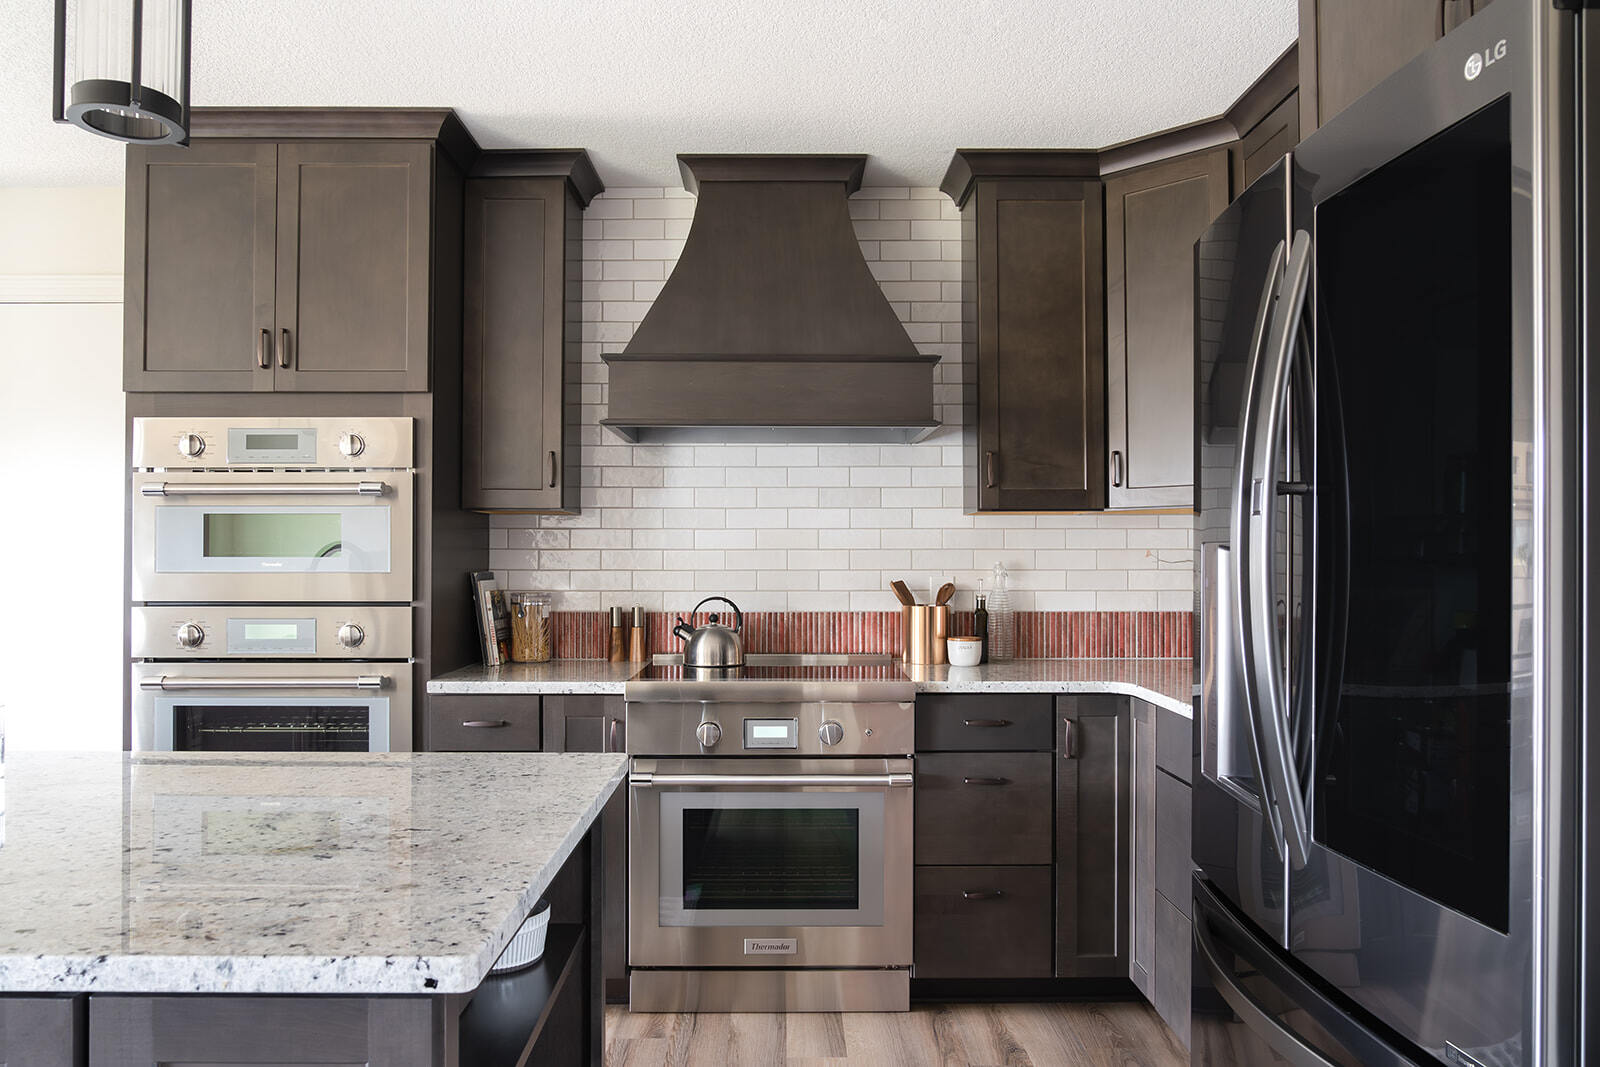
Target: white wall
point(809, 528)
point(61, 468)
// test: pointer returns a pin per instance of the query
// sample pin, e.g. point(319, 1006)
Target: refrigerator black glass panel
point(769, 858)
point(231, 728)
point(1413, 518)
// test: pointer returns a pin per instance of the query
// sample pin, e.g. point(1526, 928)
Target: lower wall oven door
point(272, 707)
point(770, 863)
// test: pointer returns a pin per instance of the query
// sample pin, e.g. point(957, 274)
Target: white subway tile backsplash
point(809, 527)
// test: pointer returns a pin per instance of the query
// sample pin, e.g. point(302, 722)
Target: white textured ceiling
point(637, 81)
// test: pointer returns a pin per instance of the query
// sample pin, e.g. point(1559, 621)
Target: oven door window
point(254, 538)
point(772, 859)
point(296, 724)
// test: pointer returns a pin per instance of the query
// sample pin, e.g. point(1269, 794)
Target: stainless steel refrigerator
point(1392, 759)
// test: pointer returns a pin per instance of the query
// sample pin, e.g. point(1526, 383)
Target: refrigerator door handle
point(1263, 649)
point(1244, 478)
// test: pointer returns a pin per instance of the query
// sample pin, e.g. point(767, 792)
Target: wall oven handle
point(1245, 478)
point(649, 780)
point(365, 681)
point(278, 489)
point(1263, 648)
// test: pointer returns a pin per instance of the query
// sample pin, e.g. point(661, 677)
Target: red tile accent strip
point(1040, 634)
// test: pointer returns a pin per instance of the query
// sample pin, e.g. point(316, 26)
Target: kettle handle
point(738, 616)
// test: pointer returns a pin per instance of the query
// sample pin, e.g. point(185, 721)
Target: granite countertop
point(269, 873)
point(1166, 682)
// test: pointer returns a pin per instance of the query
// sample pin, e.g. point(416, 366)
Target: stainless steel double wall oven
point(272, 580)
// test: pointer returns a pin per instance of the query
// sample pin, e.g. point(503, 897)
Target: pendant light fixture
point(129, 68)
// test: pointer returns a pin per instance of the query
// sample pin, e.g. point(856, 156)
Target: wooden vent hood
point(771, 327)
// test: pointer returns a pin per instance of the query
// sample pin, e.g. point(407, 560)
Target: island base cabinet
point(43, 1031)
point(131, 1031)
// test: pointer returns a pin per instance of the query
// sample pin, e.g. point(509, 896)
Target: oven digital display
point(261, 636)
point(271, 440)
point(271, 631)
point(771, 733)
point(271, 446)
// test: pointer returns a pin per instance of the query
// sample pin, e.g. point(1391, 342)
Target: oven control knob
point(351, 635)
point(709, 734)
point(191, 445)
point(351, 445)
point(190, 635)
point(830, 733)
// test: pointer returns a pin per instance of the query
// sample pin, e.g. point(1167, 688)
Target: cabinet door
point(1348, 46)
point(1041, 346)
point(595, 723)
point(1266, 142)
point(1154, 215)
point(354, 240)
point(43, 1031)
point(1092, 801)
point(198, 310)
point(514, 343)
point(1142, 852)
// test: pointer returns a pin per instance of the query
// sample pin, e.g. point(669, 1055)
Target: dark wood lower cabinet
point(982, 922)
point(44, 1031)
point(1142, 851)
point(1173, 976)
point(483, 722)
point(1093, 744)
point(597, 723)
point(984, 807)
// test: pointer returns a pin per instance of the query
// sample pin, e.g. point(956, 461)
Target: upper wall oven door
point(268, 536)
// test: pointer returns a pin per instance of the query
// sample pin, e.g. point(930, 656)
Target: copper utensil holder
point(923, 629)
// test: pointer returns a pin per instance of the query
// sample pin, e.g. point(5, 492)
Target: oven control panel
point(268, 631)
point(799, 728)
point(366, 443)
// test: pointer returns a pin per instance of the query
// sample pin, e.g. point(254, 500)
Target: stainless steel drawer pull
point(985, 781)
point(646, 779)
point(983, 894)
point(263, 343)
point(484, 724)
point(258, 489)
point(986, 722)
point(365, 681)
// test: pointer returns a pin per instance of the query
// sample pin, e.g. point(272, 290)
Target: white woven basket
point(527, 944)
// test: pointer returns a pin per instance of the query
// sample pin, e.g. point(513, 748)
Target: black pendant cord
point(135, 73)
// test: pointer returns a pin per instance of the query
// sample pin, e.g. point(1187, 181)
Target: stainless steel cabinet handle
point(986, 722)
point(988, 467)
point(263, 346)
point(1116, 469)
point(283, 348)
point(1069, 739)
point(613, 728)
point(365, 681)
point(484, 724)
point(985, 781)
point(983, 894)
point(552, 469)
point(259, 489)
point(648, 780)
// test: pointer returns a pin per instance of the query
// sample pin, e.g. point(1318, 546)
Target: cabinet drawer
point(984, 807)
point(982, 922)
point(1004, 722)
point(483, 722)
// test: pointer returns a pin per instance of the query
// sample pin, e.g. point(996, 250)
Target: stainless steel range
point(769, 845)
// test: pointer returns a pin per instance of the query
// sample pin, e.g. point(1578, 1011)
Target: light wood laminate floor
point(1090, 1034)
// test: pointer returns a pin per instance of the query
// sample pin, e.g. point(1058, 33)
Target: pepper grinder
point(636, 650)
point(618, 650)
point(980, 627)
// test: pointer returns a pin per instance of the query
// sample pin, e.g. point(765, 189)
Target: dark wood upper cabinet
point(522, 293)
point(1154, 214)
point(354, 221)
point(199, 299)
point(1265, 143)
point(294, 250)
point(1349, 46)
point(1035, 344)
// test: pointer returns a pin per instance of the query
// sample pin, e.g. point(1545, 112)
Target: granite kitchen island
point(308, 908)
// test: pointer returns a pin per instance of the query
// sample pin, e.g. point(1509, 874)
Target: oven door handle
point(258, 489)
point(649, 780)
point(365, 681)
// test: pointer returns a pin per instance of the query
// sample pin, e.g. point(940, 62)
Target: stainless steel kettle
point(712, 645)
